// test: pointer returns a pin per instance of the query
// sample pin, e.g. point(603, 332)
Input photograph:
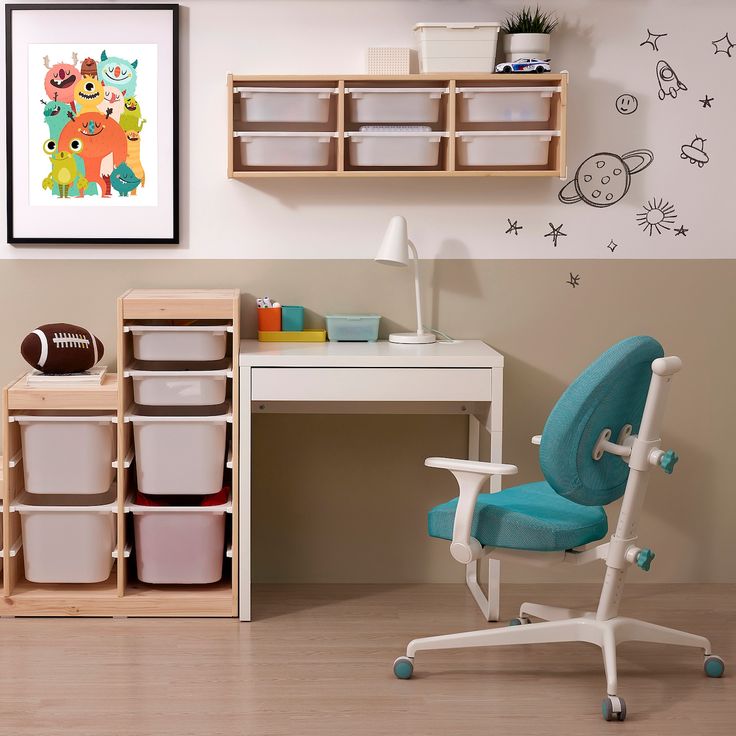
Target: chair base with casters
point(555, 521)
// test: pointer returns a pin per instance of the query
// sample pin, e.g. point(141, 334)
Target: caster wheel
point(521, 621)
point(403, 668)
point(614, 708)
point(714, 666)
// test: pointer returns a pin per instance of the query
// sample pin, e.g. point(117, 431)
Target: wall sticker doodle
point(723, 45)
point(652, 40)
point(555, 233)
point(573, 280)
point(657, 216)
point(694, 152)
point(514, 227)
point(612, 245)
point(604, 178)
point(705, 102)
point(626, 104)
point(669, 83)
point(682, 230)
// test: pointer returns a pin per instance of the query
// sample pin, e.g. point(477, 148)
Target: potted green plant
point(527, 32)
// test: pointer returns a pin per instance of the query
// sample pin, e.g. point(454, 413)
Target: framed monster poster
point(92, 123)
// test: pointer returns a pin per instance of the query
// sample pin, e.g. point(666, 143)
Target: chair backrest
point(609, 393)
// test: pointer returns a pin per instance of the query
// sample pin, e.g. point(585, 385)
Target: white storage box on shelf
point(179, 342)
point(504, 104)
point(387, 148)
point(67, 454)
point(456, 47)
point(179, 544)
point(394, 105)
point(282, 149)
point(179, 387)
point(285, 104)
point(183, 455)
point(504, 147)
point(67, 539)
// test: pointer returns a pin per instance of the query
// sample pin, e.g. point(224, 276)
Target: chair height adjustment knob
point(668, 461)
point(644, 559)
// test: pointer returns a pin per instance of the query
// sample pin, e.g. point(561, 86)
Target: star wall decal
point(514, 227)
point(682, 230)
point(573, 280)
point(612, 246)
point(705, 102)
point(653, 39)
point(555, 233)
point(723, 45)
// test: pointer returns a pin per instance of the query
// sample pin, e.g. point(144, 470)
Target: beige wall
point(345, 498)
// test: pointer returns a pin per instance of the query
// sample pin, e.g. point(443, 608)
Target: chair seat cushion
point(532, 516)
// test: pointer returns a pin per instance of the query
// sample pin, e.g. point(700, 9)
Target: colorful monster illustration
point(112, 105)
point(133, 158)
point(56, 115)
point(60, 79)
point(117, 72)
point(131, 117)
point(89, 67)
point(88, 94)
point(101, 137)
point(64, 171)
point(124, 180)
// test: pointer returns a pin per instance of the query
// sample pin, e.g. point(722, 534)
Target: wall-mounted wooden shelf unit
point(452, 125)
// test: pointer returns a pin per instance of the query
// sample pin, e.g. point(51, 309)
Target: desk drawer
point(371, 384)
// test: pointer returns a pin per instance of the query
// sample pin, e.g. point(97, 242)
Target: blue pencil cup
point(292, 319)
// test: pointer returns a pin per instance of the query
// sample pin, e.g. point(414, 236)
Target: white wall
point(598, 43)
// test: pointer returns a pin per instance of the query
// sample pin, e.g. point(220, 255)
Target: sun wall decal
point(657, 216)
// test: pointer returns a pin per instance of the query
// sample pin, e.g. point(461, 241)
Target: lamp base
point(412, 338)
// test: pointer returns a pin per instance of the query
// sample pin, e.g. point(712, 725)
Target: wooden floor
point(317, 660)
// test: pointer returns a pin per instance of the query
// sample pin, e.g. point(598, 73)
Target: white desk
point(464, 377)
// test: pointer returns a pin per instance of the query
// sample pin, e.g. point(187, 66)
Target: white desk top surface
point(381, 354)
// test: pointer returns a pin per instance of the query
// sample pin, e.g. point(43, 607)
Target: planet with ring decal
point(604, 178)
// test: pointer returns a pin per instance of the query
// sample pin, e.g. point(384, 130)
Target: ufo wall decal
point(695, 152)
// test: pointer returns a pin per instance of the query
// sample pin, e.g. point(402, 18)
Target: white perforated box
point(388, 60)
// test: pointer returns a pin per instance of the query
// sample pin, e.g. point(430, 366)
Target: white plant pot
point(526, 45)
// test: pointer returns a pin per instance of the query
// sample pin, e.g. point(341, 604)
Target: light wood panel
point(103, 396)
point(316, 661)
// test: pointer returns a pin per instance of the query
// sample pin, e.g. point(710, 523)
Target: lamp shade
point(394, 250)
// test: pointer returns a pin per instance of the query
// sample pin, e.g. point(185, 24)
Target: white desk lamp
point(395, 251)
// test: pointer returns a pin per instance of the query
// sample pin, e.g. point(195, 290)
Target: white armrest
point(537, 439)
point(471, 466)
point(470, 476)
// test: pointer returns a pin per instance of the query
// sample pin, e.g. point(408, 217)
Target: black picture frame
point(86, 8)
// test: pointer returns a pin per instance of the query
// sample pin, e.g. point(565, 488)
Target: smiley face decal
point(604, 178)
point(626, 104)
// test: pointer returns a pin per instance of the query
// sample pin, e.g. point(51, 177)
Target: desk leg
point(245, 495)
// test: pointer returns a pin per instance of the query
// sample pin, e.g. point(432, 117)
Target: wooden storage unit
point(121, 594)
point(340, 122)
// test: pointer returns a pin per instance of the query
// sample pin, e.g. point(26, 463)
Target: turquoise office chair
point(622, 395)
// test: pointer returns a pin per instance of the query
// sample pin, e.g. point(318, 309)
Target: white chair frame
point(604, 627)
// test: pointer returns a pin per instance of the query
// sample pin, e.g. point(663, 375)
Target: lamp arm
point(417, 288)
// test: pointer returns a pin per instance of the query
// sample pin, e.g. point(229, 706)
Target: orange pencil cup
point(269, 319)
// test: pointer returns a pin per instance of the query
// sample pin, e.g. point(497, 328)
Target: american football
point(61, 348)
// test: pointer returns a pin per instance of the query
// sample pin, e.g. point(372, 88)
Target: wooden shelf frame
point(556, 166)
point(120, 595)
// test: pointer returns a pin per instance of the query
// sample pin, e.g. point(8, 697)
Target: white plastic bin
point(456, 47)
point(179, 454)
point(66, 539)
point(285, 104)
point(394, 105)
point(179, 342)
point(67, 454)
point(504, 147)
point(179, 388)
point(504, 104)
point(292, 150)
point(401, 148)
point(179, 544)
point(352, 327)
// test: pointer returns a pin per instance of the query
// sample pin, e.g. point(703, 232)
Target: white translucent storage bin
point(457, 47)
point(403, 148)
point(394, 105)
point(67, 454)
point(352, 327)
point(504, 147)
point(66, 539)
point(504, 104)
point(179, 544)
point(292, 150)
point(179, 342)
point(285, 104)
point(182, 455)
point(179, 388)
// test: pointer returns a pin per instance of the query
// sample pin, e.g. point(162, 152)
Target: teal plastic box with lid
point(352, 327)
